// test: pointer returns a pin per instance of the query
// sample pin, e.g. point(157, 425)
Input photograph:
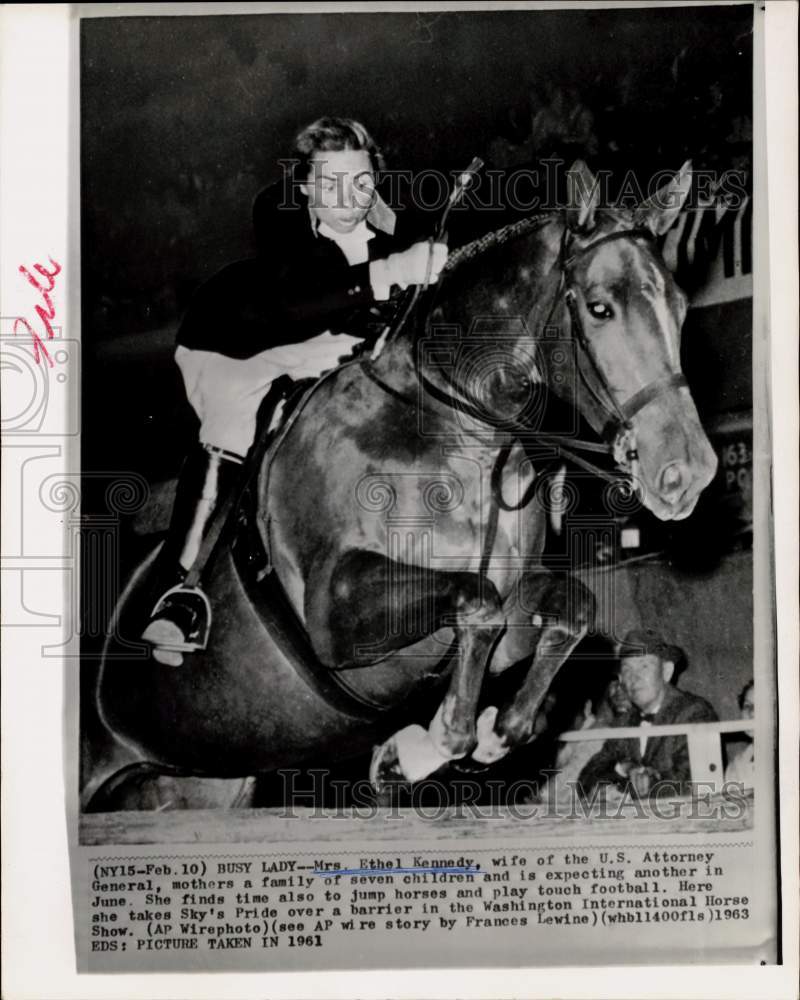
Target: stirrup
point(189, 610)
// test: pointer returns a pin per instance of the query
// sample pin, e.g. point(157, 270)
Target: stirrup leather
point(190, 610)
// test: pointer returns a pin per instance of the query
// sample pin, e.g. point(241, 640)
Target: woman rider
point(327, 253)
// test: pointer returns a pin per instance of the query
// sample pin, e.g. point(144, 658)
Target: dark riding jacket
point(667, 755)
point(299, 285)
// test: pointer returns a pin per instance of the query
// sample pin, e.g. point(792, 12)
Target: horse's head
point(582, 307)
point(624, 312)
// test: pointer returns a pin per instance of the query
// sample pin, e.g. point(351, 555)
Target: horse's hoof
point(410, 755)
point(491, 745)
point(384, 770)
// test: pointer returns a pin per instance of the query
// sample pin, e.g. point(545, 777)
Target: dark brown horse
point(405, 506)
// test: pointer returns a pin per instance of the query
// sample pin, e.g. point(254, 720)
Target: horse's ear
point(659, 212)
point(583, 197)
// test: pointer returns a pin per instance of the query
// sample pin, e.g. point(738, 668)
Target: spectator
point(612, 709)
point(647, 664)
point(741, 767)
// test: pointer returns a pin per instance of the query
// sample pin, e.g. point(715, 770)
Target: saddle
point(274, 414)
point(253, 561)
point(282, 402)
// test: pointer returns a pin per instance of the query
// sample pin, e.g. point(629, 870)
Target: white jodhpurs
point(226, 393)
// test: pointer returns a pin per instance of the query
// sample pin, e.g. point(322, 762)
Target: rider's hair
point(334, 135)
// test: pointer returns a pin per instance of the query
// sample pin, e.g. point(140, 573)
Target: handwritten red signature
point(46, 312)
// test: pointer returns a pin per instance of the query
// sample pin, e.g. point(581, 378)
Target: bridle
point(618, 433)
point(619, 437)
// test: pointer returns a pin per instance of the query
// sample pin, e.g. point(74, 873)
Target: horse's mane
point(514, 230)
point(496, 238)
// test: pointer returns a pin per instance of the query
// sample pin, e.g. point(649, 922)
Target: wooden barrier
point(706, 816)
point(705, 744)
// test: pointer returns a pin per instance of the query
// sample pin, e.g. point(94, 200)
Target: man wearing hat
point(647, 665)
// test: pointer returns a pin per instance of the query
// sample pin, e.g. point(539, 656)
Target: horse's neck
point(510, 279)
point(444, 412)
point(523, 270)
point(395, 366)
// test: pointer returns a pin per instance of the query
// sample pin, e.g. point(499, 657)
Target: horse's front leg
point(367, 591)
point(561, 609)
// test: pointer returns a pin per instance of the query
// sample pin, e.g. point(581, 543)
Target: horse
point(404, 508)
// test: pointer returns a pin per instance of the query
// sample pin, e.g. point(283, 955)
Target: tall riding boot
point(181, 618)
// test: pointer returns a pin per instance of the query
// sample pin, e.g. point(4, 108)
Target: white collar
point(658, 707)
point(360, 234)
point(380, 216)
point(354, 245)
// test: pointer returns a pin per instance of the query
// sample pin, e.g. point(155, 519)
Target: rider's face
point(340, 187)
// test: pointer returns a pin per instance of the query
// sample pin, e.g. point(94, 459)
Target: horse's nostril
point(672, 480)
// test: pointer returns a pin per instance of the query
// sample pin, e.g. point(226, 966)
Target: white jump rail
point(704, 739)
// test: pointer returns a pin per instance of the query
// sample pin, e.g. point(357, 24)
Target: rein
point(620, 441)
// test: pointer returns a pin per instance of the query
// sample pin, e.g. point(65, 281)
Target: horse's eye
point(599, 310)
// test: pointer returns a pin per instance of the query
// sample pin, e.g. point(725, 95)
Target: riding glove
point(418, 265)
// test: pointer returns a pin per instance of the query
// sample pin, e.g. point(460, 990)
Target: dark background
point(185, 118)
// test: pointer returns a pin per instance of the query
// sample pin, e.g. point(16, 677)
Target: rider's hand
point(419, 265)
point(589, 717)
point(643, 778)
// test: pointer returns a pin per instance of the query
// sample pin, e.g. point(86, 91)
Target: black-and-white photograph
point(426, 341)
point(424, 471)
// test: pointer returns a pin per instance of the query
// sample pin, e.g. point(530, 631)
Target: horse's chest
point(455, 522)
point(507, 537)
